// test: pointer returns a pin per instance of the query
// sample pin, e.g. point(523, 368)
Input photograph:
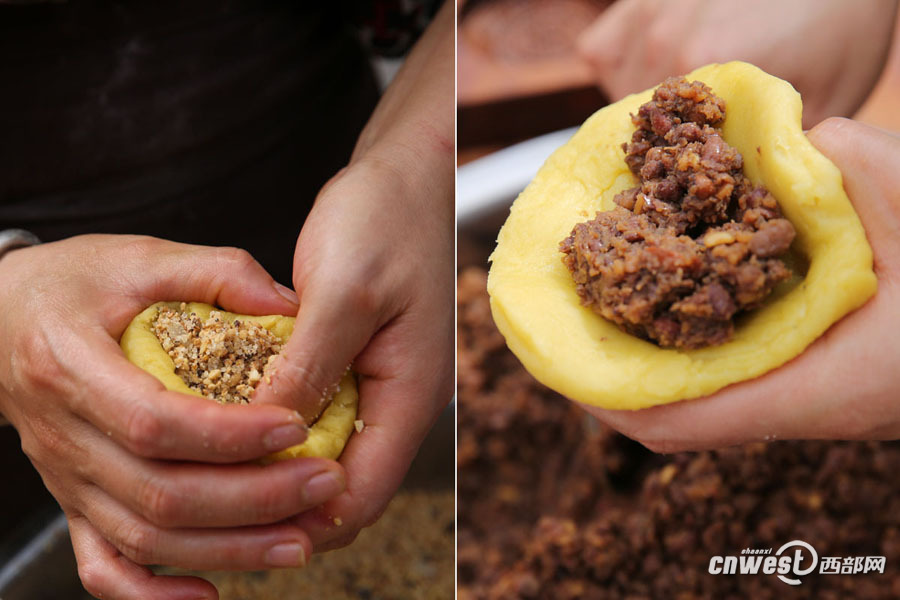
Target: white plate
point(485, 184)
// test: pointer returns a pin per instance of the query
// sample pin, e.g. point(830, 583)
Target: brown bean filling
point(692, 246)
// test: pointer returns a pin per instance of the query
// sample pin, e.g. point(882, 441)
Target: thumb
point(332, 328)
point(226, 277)
point(867, 158)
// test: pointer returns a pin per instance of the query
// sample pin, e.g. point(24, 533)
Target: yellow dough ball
point(327, 436)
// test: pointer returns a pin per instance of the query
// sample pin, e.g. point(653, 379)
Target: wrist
point(426, 169)
point(423, 193)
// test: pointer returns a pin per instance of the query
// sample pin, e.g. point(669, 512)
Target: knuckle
point(44, 444)
point(34, 365)
point(140, 255)
point(141, 247)
point(158, 503)
point(308, 378)
point(48, 443)
point(235, 259)
point(267, 506)
point(138, 542)
point(143, 431)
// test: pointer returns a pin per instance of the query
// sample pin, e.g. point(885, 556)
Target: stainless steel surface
point(44, 568)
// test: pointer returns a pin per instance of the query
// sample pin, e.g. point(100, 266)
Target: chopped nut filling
point(222, 360)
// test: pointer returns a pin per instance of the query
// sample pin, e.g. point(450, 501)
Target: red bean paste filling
point(691, 247)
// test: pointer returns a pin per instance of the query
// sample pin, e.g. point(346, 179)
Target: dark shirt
point(183, 120)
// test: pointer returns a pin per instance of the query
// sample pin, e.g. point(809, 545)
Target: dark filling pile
point(695, 243)
point(555, 506)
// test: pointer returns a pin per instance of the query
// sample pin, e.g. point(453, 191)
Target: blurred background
point(520, 73)
point(531, 71)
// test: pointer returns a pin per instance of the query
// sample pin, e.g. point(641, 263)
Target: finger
point(602, 44)
point(867, 158)
point(376, 460)
point(225, 277)
point(243, 548)
point(134, 409)
point(171, 495)
point(399, 402)
point(333, 326)
point(106, 573)
point(803, 399)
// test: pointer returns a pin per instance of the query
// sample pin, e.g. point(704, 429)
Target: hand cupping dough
point(327, 436)
point(581, 355)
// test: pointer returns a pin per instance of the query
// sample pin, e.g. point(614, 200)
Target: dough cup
point(579, 354)
point(327, 436)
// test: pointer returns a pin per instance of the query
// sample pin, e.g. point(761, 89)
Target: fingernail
point(287, 293)
point(290, 554)
point(323, 486)
point(285, 436)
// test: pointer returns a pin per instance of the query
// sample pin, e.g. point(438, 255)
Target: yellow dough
point(581, 355)
point(329, 433)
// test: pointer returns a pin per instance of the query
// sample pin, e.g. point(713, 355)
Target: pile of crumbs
point(222, 360)
point(554, 505)
point(407, 554)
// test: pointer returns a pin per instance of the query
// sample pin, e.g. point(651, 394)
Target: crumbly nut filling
point(222, 360)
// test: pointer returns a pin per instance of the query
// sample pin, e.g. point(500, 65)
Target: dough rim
point(327, 436)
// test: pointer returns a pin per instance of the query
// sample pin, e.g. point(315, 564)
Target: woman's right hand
point(144, 475)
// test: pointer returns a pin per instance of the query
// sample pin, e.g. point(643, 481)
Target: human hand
point(844, 385)
point(832, 51)
point(374, 270)
point(130, 463)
